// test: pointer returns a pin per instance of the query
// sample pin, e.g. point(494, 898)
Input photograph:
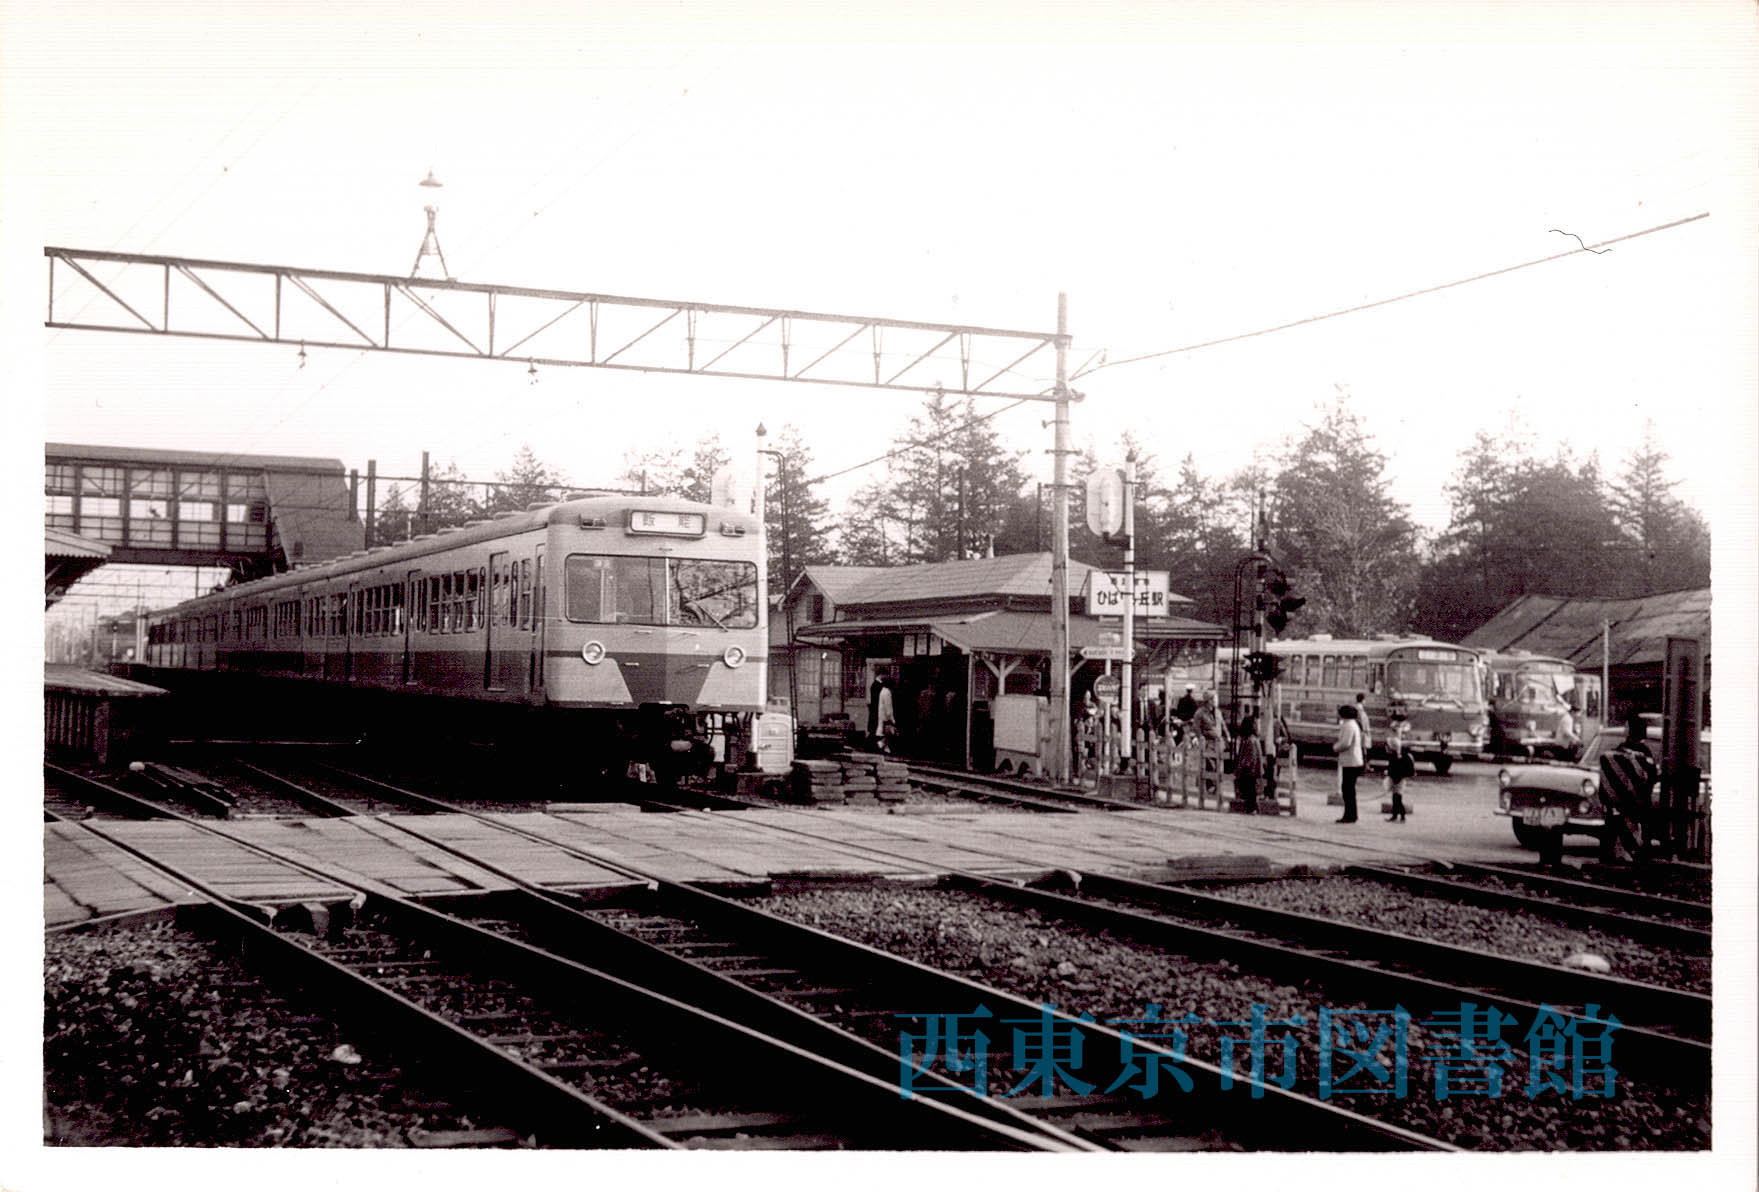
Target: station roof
point(154, 456)
point(1569, 628)
point(62, 677)
point(64, 544)
point(1009, 631)
point(1025, 575)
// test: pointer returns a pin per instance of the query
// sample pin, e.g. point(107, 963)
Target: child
point(1400, 766)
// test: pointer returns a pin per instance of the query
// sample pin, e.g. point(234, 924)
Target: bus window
point(1358, 673)
point(1331, 671)
point(1295, 670)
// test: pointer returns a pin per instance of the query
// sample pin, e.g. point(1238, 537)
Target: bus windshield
point(1450, 680)
point(1544, 687)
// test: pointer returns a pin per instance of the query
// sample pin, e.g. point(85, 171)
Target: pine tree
point(871, 536)
point(527, 482)
point(1347, 546)
point(794, 513)
point(697, 478)
point(653, 469)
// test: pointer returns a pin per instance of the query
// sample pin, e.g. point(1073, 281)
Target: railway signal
point(1279, 604)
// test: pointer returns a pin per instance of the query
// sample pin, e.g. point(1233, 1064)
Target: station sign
point(1106, 593)
point(1106, 689)
point(1104, 653)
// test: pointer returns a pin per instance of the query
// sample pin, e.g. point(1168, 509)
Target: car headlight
point(733, 656)
point(1588, 789)
point(1503, 778)
point(592, 653)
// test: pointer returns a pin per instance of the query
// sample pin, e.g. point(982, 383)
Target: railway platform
point(419, 855)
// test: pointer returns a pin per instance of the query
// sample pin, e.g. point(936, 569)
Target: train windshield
point(1444, 680)
point(640, 590)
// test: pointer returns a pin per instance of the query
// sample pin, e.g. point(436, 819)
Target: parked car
point(1543, 795)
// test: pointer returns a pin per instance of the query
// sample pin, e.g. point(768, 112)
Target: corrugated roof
point(200, 459)
point(838, 582)
point(65, 544)
point(62, 677)
point(1571, 628)
point(312, 521)
point(1004, 575)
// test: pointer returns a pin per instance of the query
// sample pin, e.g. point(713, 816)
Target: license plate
point(1545, 817)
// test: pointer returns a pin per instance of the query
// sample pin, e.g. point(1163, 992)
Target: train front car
point(657, 616)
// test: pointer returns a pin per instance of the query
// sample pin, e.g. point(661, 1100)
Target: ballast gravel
point(152, 1036)
point(1047, 961)
point(1508, 933)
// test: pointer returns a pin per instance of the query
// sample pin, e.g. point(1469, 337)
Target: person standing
point(1212, 741)
point(1400, 765)
point(1348, 747)
point(873, 705)
point(1363, 724)
point(1248, 765)
point(887, 718)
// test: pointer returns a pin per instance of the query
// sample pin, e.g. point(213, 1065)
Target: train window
point(611, 589)
point(712, 592)
point(473, 600)
point(525, 593)
point(433, 604)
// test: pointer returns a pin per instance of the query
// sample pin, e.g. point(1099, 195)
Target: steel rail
point(1663, 1055)
point(1675, 1010)
point(567, 929)
point(1559, 887)
point(776, 1061)
point(1324, 1125)
point(1463, 890)
point(781, 1066)
point(419, 1033)
point(1667, 1058)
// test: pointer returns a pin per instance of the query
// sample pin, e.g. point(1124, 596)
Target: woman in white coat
point(1351, 760)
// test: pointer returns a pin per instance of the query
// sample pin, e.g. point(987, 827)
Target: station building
point(952, 637)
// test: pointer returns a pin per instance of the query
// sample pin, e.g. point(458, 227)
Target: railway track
point(635, 1068)
point(839, 999)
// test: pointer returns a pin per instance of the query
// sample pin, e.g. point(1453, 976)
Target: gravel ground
point(1020, 951)
point(1656, 912)
point(153, 1037)
point(1520, 934)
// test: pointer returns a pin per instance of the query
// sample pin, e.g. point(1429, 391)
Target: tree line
point(1520, 521)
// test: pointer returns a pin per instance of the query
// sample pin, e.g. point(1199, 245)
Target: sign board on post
point(1108, 653)
point(1106, 589)
point(1106, 689)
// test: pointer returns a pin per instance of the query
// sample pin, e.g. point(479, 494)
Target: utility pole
point(422, 505)
point(1126, 698)
point(1060, 555)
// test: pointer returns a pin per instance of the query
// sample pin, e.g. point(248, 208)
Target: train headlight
point(1503, 778)
point(733, 656)
point(592, 653)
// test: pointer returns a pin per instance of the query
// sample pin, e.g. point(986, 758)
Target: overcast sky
point(1185, 173)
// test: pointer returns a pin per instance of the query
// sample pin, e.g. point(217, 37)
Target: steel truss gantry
point(226, 300)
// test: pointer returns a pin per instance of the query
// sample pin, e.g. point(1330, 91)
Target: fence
point(1161, 769)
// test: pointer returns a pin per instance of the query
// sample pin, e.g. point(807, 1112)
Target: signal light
point(1262, 667)
point(1281, 604)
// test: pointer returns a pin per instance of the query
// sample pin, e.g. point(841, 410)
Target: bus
point(1527, 693)
point(1438, 687)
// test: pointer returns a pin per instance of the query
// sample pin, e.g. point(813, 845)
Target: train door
point(414, 607)
point(537, 620)
point(494, 620)
point(350, 626)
